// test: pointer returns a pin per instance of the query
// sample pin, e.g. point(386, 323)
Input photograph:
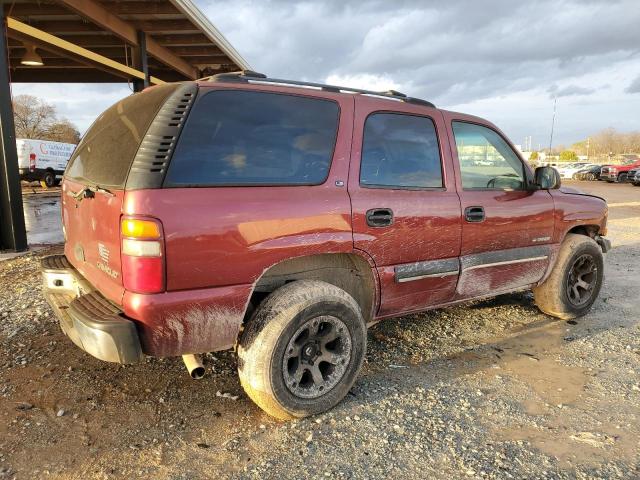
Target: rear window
point(107, 150)
point(255, 138)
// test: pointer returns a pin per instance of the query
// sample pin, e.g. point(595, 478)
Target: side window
point(486, 160)
point(255, 138)
point(400, 151)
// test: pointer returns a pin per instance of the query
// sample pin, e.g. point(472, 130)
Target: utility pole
point(553, 122)
point(588, 142)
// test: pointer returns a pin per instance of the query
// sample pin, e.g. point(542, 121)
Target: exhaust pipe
point(194, 366)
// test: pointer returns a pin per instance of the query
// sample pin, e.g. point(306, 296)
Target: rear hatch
point(94, 187)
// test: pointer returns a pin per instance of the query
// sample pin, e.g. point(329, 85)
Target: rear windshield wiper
point(89, 192)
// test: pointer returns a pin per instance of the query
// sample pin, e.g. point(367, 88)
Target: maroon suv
point(282, 218)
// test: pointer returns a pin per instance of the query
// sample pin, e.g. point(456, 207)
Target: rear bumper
point(91, 322)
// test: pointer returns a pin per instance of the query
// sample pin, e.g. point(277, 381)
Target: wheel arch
point(352, 272)
point(590, 230)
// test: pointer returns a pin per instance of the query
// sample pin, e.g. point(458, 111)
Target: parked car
point(568, 171)
point(633, 177)
point(618, 173)
point(282, 218)
point(42, 160)
point(589, 173)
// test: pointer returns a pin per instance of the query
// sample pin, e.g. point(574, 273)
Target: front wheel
point(302, 349)
point(575, 281)
point(48, 180)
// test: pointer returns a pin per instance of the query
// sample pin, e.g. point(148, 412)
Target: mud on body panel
point(178, 323)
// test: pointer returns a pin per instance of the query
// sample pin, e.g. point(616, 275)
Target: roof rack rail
point(246, 76)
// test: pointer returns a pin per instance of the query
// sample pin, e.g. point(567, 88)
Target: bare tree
point(63, 131)
point(35, 118)
point(32, 116)
point(608, 143)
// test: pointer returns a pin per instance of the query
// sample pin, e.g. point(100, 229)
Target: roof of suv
point(248, 76)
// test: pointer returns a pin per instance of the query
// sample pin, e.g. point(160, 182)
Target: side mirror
point(547, 178)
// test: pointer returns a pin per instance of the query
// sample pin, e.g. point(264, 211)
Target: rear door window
point(400, 151)
point(107, 150)
point(255, 138)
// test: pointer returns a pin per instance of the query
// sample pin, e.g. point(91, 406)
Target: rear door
point(93, 188)
point(507, 229)
point(405, 209)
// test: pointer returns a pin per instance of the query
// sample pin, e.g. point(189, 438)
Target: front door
point(405, 209)
point(507, 228)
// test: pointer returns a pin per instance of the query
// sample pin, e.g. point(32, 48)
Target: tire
point(48, 180)
point(622, 177)
point(276, 346)
point(555, 297)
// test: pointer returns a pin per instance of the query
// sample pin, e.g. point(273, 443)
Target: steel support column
point(141, 63)
point(13, 235)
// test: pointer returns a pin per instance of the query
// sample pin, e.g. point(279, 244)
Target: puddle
point(42, 219)
point(560, 401)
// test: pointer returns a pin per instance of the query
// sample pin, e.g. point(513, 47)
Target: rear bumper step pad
point(91, 322)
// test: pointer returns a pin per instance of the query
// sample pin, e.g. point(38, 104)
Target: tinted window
point(106, 151)
point(400, 151)
point(486, 160)
point(255, 138)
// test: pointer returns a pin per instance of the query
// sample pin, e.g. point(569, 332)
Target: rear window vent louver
point(157, 146)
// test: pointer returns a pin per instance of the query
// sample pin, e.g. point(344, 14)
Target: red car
point(618, 173)
point(283, 218)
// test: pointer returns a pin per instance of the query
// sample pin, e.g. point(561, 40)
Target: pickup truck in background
point(618, 173)
point(43, 160)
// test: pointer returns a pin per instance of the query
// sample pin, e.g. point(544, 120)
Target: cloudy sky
point(502, 60)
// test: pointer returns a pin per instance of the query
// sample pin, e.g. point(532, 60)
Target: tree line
point(37, 119)
point(609, 141)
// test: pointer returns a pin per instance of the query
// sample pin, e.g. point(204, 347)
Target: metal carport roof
point(84, 41)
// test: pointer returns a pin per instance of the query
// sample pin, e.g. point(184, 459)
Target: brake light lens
point(142, 255)
point(32, 162)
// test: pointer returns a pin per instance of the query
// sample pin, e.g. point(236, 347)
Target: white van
point(43, 160)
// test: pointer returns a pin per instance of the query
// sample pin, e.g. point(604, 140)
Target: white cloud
point(366, 81)
point(80, 103)
point(495, 58)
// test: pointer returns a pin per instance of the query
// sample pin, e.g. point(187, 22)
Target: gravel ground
point(494, 389)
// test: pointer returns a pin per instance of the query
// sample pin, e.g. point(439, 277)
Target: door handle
point(379, 217)
point(474, 214)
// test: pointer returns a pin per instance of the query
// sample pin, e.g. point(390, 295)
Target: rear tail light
point(32, 162)
point(142, 255)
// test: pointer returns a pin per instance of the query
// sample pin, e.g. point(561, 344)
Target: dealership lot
point(489, 390)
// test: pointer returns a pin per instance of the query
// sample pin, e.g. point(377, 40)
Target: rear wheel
point(301, 351)
point(48, 180)
point(575, 280)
